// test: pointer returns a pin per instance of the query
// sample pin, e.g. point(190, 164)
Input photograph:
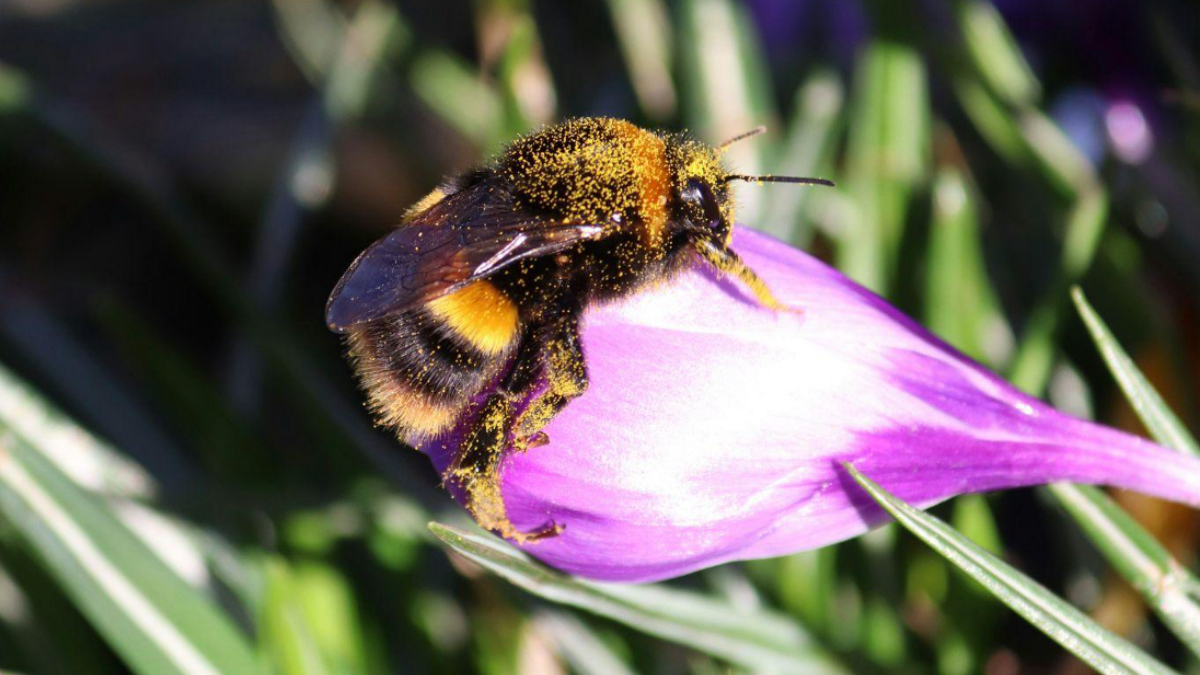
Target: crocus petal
point(715, 429)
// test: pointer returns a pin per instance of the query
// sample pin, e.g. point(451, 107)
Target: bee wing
point(458, 240)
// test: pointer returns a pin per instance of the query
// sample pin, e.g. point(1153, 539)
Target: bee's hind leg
point(477, 468)
point(566, 372)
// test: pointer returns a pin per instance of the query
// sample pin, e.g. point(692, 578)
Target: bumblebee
point(469, 312)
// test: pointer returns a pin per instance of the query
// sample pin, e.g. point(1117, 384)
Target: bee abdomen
point(422, 367)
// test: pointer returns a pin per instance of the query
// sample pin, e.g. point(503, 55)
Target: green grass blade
point(375, 34)
point(1162, 424)
point(453, 90)
point(753, 639)
point(151, 617)
point(807, 150)
point(727, 90)
point(807, 586)
point(1165, 584)
point(312, 31)
point(526, 88)
point(1010, 119)
point(886, 158)
point(1051, 614)
point(991, 118)
point(998, 94)
point(98, 468)
point(995, 53)
point(1063, 165)
point(14, 90)
point(578, 645)
point(88, 461)
point(36, 619)
point(644, 35)
point(1037, 350)
point(286, 634)
point(960, 305)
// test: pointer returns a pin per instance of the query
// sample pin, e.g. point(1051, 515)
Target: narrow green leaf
point(1166, 585)
point(886, 158)
point(806, 151)
point(14, 90)
point(341, 56)
point(991, 118)
point(329, 605)
point(579, 646)
point(1081, 237)
point(36, 619)
point(999, 93)
point(960, 305)
point(644, 35)
point(286, 635)
point(453, 90)
point(727, 89)
point(89, 462)
point(375, 33)
point(312, 31)
point(1052, 615)
point(150, 616)
point(754, 639)
point(808, 585)
point(973, 517)
point(1036, 350)
point(525, 84)
point(1063, 165)
point(98, 468)
point(995, 53)
point(1162, 424)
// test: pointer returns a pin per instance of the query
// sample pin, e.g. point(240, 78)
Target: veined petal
point(715, 429)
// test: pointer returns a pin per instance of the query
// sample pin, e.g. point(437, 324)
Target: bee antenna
point(800, 180)
point(741, 137)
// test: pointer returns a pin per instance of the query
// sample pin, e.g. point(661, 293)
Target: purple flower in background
point(796, 30)
point(715, 430)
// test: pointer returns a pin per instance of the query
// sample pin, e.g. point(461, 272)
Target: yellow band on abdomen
point(481, 314)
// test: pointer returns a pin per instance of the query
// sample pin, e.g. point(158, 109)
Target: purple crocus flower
point(715, 430)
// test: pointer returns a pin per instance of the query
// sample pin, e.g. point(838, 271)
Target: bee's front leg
point(726, 261)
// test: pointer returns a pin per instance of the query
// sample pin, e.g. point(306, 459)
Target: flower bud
point(715, 429)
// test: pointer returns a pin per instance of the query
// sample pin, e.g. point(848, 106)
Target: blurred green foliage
point(188, 482)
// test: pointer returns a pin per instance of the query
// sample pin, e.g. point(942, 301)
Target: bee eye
point(700, 199)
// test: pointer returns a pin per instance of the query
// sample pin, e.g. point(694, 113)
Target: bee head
point(701, 206)
point(705, 211)
point(703, 203)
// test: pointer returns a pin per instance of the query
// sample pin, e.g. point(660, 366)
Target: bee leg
point(535, 440)
point(568, 379)
point(477, 468)
point(726, 261)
